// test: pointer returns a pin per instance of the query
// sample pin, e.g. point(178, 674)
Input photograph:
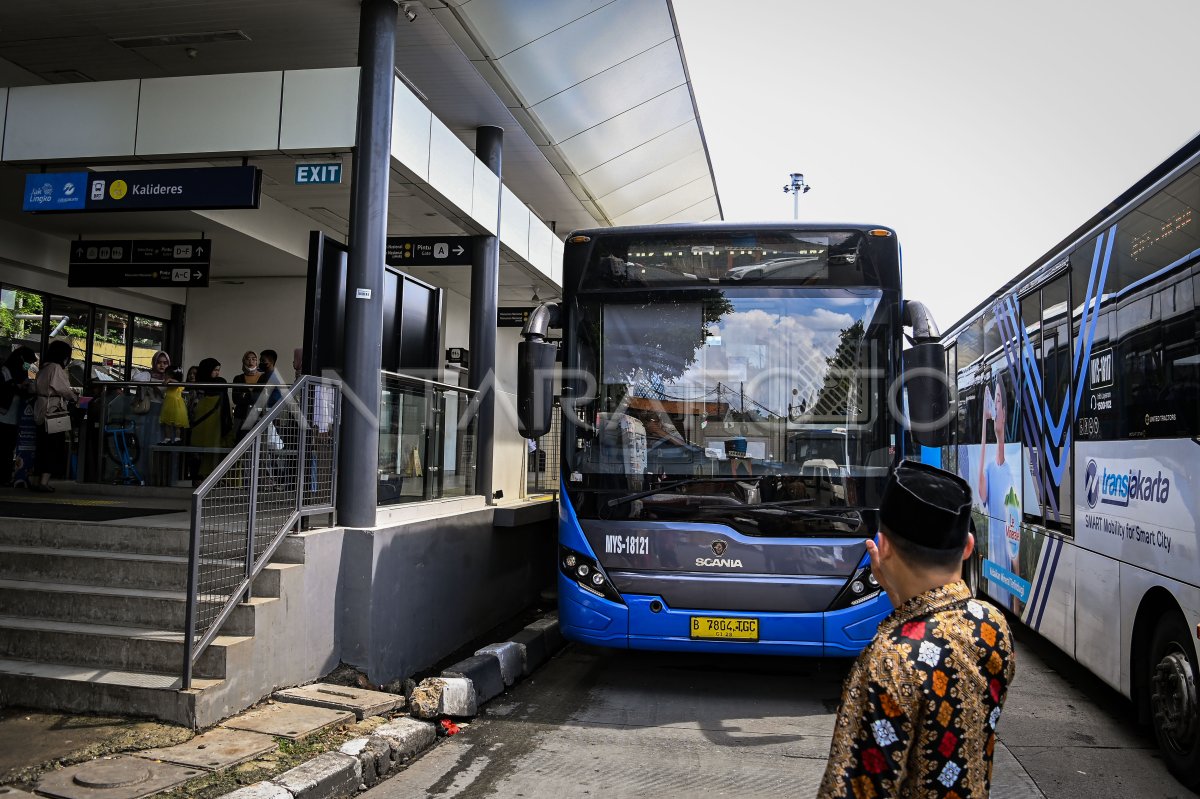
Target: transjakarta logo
point(1121, 488)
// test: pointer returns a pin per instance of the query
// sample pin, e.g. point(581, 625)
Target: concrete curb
point(362, 763)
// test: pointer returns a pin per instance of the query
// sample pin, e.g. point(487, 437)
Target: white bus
point(1076, 394)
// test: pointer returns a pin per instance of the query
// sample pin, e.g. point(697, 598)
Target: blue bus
point(732, 403)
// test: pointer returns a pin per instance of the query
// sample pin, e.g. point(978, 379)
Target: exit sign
point(318, 173)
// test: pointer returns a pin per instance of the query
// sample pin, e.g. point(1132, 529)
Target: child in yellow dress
point(174, 416)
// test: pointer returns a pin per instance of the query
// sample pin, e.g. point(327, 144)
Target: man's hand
point(877, 567)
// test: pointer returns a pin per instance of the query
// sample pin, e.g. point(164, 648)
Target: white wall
point(38, 261)
point(223, 321)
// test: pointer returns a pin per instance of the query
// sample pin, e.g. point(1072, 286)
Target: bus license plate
point(724, 628)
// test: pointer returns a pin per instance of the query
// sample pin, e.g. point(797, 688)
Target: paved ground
point(597, 722)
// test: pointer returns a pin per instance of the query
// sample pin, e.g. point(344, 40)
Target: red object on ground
point(450, 727)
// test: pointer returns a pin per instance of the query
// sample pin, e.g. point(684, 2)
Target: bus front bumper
point(594, 620)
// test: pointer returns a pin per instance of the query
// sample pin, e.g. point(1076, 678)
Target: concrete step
point(128, 607)
point(95, 536)
point(121, 569)
point(131, 649)
point(83, 689)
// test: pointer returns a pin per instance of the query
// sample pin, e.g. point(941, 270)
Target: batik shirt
point(920, 706)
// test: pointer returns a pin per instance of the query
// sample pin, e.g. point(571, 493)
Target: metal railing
point(426, 440)
point(123, 438)
point(283, 468)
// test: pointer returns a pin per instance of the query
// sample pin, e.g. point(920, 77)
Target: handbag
point(142, 403)
point(58, 422)
point(274, 441)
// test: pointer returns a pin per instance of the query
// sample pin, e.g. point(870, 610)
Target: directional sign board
point(512, 317)
point(166, 263)
point(144, 189)
point(430, 250)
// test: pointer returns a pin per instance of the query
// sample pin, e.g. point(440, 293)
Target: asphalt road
point(604, 723)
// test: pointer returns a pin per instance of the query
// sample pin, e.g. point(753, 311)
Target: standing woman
point(148, 407)
point(244, 398)
point(212, 425)
point(15, 387)
point(54, 392)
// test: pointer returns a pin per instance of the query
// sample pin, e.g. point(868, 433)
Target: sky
point(984, 133)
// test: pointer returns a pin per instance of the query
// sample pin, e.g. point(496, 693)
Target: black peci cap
point(926, 505)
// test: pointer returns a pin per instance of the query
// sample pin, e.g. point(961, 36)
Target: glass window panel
point(149, 336)
point(20, 319)
point(109, 341)
point(71, 321)
point(1181, 363)
point(1159, 232)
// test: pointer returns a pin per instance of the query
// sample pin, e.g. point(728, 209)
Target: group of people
point(209, 418)
point(25, 379)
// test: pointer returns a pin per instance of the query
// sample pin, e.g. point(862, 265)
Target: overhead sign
point(512, 317)
point(55, 191)
point(430, 250)
point(309, 174)
point(142, 190)
point(124, 263)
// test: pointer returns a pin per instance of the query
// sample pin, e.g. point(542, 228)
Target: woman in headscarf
point(213, 422)
point(15, 388)
point(54, 392)
point(244, 399)
point(147, 407)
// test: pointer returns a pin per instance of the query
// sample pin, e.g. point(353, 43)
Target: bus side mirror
point(928, 394)
point(535, 387)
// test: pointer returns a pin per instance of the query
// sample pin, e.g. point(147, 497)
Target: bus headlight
point(587, 574)
point(861, 587)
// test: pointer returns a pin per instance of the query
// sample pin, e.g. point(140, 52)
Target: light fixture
point(409, 14)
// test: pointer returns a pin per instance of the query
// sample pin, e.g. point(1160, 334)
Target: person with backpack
point(15, 387)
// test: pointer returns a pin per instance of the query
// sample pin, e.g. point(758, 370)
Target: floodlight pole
point(796, 187)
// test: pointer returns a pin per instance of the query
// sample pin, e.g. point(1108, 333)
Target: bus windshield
point(781, 388)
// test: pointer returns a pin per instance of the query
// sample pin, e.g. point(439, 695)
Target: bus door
point(1046, 316)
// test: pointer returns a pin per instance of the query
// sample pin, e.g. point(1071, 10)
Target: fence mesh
point(282, 469)
point(542, 465)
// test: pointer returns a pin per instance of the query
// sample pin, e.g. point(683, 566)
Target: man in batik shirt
point(920, 706)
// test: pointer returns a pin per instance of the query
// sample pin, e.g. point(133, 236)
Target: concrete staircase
point(92, 615)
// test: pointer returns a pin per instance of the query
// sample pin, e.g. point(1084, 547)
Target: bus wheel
point(1172, 674)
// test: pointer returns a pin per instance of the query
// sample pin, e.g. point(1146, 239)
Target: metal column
point(485, 292)
point(359, 462)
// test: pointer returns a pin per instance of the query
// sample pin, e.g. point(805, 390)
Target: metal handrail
point(310, 390)
point(420, 381)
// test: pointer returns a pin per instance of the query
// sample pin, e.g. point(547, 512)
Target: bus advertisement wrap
point(1136, 501)
point(1007, 548)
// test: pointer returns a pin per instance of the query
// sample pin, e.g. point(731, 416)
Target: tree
point(662, 345)
point(838, 397)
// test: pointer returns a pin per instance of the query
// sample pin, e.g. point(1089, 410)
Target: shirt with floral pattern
point(920, 706)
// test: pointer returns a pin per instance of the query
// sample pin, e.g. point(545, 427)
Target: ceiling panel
point(667, 205)
point(626, 85)
point(592, 44)
point(514, 23)
point(628, 130)
point(644, 159)
point(691, 167)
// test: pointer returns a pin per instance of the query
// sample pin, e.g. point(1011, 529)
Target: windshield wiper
point(612, 503)
point(831, 514)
